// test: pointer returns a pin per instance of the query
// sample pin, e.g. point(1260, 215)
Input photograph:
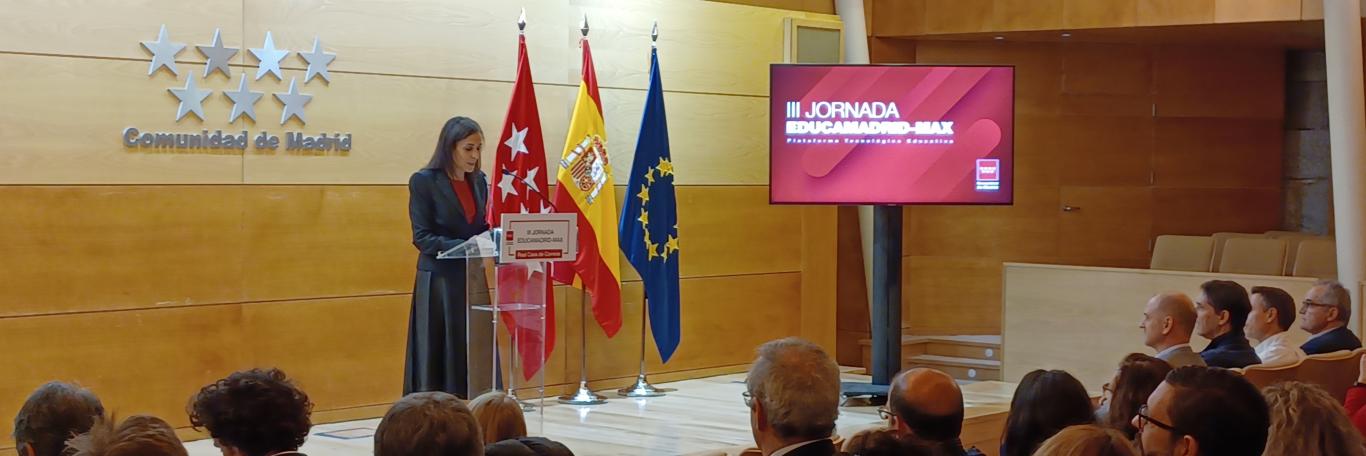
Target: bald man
point(926, 407)
point(1168, 321)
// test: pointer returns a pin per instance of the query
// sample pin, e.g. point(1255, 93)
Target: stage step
point(975, 357)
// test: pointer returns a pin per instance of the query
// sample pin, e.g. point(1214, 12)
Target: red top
point(1356, 406)
point(466, 197)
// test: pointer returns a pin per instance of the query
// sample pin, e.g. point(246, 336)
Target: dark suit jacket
point(527, 446)
point(823, 447)
point(1230, 351)
point(1331, 341)
point(438, 219)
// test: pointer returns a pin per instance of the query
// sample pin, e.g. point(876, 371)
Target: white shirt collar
point(788, 449)
point(1172, 349)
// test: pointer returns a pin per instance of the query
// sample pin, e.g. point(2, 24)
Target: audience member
point(1221, 311)
point(1087, 440)
point(433, 423)
point(138, 435)
point(1045, 402)
point(1168, 321)
point(1273, 314)
point(793, 395)
point(926, 406)
point(1307, 421)
point(880, 442)
point(1203, 411)
point(1356, 399)
point(1326, 310)
point(256, 412)
point(504, 428)
point(1138, 375)
point(55, 412)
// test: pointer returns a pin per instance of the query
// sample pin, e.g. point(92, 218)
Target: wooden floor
point(703, 415)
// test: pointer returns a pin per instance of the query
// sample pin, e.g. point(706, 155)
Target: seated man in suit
point(1273, 314)
point(1327, 308)
point(926, 408)
point(793, 395)
point(1168, 321)
point(1221, 312)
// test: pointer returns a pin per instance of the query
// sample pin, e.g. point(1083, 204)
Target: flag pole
point(511, 389)
point(583, 396)
point(642, 387)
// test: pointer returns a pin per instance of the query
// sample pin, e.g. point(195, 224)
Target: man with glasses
point(1200, 411)
point(793, 395)
point(925, 406)
point(1221, 312)
point(1325, 313)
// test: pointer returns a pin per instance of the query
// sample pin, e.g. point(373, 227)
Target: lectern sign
point(535, 238)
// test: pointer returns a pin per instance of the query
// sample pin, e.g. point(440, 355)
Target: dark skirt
point(437, 333)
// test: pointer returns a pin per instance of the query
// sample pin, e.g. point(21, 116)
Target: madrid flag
point(584, 186)
point(519, 187)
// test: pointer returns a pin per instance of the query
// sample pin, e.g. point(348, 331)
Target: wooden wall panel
point(1027, 229)
point(1108, 224)
point(1027, 14)
point(1257, 10)
point(1097, 14)
point(1175, 12)
point(951, 295)
point(324, 241)
point(898, 18)
point(1189, 83)
point(1106, 151)
point(733, 231)
point(84, 248)
point(814, 6)
point(1222, 153)
point(1203, 211)
point(958, 16)
point(113, 29)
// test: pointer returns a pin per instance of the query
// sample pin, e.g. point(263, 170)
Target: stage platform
point(704, 416)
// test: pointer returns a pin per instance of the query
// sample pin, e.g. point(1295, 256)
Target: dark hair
point(882, 442)
point(139, 435)
point(1045, 403)
point(1228, 296)
point(456, 129)
point(928, 427)
point(1276, 298)
point(257, 411)
point(1219, 409)
point(55, 412)
point(1139, 375)
point(428, 424)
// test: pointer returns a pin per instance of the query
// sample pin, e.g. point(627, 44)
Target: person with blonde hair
point(504, 428)
point(1087, 440)
point(1307, 421)
point(138, 435)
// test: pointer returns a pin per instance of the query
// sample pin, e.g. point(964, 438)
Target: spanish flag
point(584, 186)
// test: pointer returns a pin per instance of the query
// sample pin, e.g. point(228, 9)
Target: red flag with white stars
point(519, 187)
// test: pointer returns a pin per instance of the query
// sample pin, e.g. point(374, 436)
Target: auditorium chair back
point(1182, 253)
point(1263, 377)
point(1316, 258)
point(1257, 256)
point(1220, 240)
point(1335, 371)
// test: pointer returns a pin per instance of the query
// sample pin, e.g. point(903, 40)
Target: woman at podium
point(446, 201)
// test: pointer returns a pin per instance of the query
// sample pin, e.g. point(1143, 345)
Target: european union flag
point(649, 223)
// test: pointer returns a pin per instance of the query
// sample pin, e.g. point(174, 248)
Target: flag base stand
point(642, 388)
point(583, 396)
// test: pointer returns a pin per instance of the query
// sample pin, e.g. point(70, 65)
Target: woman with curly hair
point(1138, 375)
point(257, 412)
point(1307, 421)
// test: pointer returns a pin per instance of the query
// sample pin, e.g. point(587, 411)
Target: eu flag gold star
point(651, 247)
point(644, 219)
point(650, 176)
point(665, 167)
point(644, 195)
point(671, 246)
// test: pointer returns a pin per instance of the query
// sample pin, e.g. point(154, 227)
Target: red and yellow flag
point(584, 186)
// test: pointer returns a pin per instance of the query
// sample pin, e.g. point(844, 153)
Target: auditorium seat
point(1259, 256)
point(1335, 372)
point(1262, 376)
point(1182, 253)
point(1220, 240)
point(1315, 258)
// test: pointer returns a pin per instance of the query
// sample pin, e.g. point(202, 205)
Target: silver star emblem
point(191, 99)
point(163, 52)
point(530, 179)
point(517, 141)
point(294, 102)
point(269, 58)
point(506, 184)
point(218, 56)
point(243, 101)
point(317, 62)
